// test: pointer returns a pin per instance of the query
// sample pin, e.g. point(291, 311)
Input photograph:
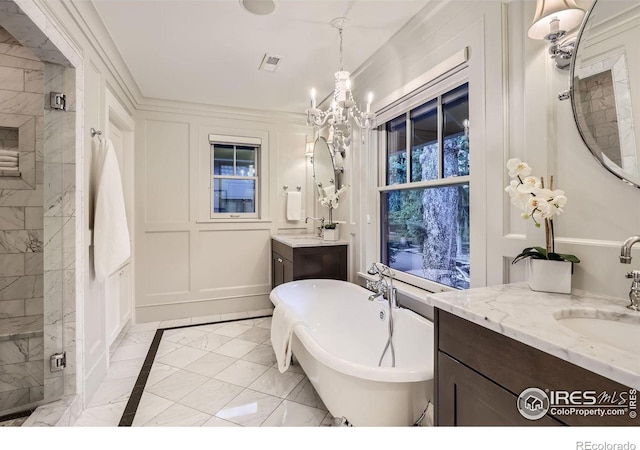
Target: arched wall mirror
point(326, 167)
point(605, 86)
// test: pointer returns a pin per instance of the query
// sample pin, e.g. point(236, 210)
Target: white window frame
point(404, 105)
point(239, 141)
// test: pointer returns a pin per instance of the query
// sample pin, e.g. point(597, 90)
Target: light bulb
point(313, 98)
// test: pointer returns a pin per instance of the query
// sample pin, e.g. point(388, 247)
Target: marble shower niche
point(37, 217)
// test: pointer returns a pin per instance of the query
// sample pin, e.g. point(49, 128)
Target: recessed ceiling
point(210, 51)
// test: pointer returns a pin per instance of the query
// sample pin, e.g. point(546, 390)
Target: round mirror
point(602, 92)
point(325, 173)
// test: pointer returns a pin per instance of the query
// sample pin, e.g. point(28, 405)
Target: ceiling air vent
point(270, 62)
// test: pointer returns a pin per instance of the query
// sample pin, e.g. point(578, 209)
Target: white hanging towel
point(111, 246)
point(283, 322)
point(294, 206)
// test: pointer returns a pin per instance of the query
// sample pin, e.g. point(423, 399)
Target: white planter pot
point(549, 276)
point(330, 234)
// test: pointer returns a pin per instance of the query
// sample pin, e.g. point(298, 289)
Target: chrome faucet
point(625, 251)
point(383, 288)
point(321, 219)
point(625, 258)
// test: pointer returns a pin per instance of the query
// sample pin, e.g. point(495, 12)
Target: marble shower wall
point(21, 227)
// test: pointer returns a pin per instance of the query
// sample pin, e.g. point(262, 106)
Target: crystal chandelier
point(342, 108)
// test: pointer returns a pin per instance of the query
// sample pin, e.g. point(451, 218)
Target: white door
point(118, 285)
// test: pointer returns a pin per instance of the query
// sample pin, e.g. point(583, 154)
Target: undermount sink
point(619, 330)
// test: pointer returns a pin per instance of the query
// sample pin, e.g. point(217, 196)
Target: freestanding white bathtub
point(339, 345)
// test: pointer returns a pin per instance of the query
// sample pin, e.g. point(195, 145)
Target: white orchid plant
point(331, 201)
point(539, 204)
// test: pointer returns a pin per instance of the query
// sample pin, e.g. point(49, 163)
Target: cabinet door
point(277, 270)
point(281, 270)
point(466, 398)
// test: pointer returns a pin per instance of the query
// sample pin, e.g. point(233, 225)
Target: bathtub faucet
point(383, 288)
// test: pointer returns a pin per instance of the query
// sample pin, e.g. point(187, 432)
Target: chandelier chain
point(340, 32)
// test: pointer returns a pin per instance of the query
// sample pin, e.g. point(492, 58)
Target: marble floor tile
point(133, 351)
point(262, 354)
point(209, 342)
point(159, 372)
point(125, 368)
point(150, 406)
point(178, 416)
point(232, 329)
point(294, 367)
point(255, 334)
point(101, 416)
point(182, 357)
point(266, 323)
point(175, 323)
point(112, 392)
point(249, 408)
point(291, 414)
point(305, 394)
point(20, 420)
point(217, 422)
point(146, 326)
point(241, 373)
point(211, 396)
point(278, 384)
point(138, 337)
point(236, 348)
point(167, 347)
point(327, 421)
point(182, 336)
point(209, 328)
point(210, 365)
point(177, 385)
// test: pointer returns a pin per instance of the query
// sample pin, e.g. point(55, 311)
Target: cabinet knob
point(280, 260)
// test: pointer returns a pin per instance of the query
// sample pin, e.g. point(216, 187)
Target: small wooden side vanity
point(491, 344)
point(299, 257)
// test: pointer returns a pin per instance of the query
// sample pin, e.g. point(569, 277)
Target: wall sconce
point(553, 20)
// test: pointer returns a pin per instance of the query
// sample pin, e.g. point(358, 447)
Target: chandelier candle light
point(343, 106)
point(548, 271)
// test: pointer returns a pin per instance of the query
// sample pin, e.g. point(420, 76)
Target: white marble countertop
point(516, 311)
point(305, 240)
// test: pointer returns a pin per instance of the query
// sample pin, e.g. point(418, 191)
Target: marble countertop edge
point(529, 317)
point(305, 240)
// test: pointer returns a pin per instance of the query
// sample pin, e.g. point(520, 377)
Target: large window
point(425, 194)
point(234, 179)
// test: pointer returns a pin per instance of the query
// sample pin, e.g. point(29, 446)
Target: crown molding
point(73, 16)
point(229, 112)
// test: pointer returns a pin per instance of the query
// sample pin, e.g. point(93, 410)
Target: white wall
point(600, 213)
point(514, 86)
point(187, 264)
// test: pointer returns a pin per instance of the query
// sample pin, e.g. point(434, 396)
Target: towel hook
point(285, 187)
point(95, 132)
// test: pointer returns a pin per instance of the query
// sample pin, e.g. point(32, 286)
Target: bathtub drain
point(382, 315)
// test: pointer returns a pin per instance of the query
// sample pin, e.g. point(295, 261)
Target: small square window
point(234, 180)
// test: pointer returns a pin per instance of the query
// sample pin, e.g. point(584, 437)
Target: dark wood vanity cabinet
point(479, 375)
point(299, 263)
